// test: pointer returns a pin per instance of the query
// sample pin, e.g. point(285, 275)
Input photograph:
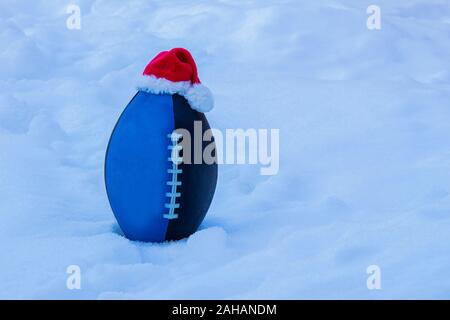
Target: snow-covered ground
point(364, 119)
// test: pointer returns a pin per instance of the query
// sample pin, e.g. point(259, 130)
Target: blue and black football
point(154, 193)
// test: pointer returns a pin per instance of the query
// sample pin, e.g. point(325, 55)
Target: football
point(156, 192)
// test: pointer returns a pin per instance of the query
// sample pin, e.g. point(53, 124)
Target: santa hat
point(175, 71)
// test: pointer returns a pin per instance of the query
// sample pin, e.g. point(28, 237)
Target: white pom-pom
point(200, 98)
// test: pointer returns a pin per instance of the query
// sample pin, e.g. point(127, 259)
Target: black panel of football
point(198, 181)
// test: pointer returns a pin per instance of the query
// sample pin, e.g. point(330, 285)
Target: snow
point(364, 125)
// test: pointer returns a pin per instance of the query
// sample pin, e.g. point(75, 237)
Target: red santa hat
point(173, 72)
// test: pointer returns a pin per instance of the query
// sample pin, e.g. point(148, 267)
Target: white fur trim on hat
point(199, 96)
